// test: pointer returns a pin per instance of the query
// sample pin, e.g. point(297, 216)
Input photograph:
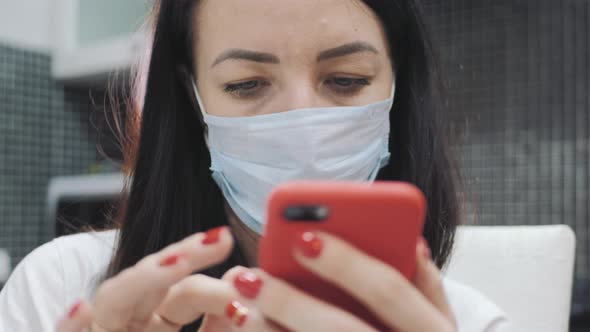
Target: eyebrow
point(240, 54)
point(261, 57)
point(346, 49)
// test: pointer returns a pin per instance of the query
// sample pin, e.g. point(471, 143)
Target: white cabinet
point(93, 38)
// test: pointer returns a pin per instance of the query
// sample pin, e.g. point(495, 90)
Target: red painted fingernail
point(74, 309)
point(170, 260)
point(237, 313)
point(425, 248)
point(212, 235)
point(310, 245)
point(248, 284)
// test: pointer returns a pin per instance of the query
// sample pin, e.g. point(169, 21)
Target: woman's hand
point(402, 305)
point(159, 293)
point(250, 300)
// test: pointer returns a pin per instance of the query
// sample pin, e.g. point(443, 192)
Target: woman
point(234, 87)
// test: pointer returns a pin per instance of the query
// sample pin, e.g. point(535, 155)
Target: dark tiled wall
point(45, 130)
point(519, 73)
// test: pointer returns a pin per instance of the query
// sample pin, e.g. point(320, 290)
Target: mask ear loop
point(188, 84)
point(392, 95)
point(201, 109)
point(199, 100)
point(393, 84)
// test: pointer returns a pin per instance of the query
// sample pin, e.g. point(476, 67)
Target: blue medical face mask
point(251, 155)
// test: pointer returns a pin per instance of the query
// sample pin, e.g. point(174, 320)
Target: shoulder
point(86, 249)
point(51, 277)
point(473, 310)
point(85, 256)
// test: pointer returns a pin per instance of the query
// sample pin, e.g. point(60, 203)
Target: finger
point(199, 294)
point(130, 298)
point(255, 319)
point(78, 318)
point(247, 318)
point(214, 323)
point(428, 280)
point(195, 295)
point(380, 287)
point(291, 308)
point(160, 324)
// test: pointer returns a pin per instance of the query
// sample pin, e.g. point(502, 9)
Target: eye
point(246, 89)
point(347, 85)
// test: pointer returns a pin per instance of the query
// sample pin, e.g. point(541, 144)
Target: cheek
point(216, 104)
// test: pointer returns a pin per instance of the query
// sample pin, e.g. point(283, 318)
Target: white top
point(52, 277)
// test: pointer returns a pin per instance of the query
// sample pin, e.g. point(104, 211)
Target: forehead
point(287, 28)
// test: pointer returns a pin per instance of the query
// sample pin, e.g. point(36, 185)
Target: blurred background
point(519, 79)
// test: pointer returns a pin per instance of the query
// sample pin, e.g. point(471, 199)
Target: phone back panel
point(383, 219)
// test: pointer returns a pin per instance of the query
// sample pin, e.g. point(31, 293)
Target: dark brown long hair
point(171, 193)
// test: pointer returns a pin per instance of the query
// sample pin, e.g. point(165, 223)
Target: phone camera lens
point(321, 212)
point(306, 213)
point(294, 213)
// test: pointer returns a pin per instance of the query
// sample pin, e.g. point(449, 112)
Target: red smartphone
point(383, 219)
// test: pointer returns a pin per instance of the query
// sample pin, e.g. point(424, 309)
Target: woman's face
point(266, 56)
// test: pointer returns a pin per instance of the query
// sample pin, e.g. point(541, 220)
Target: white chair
point(4, 266)
point(526, 270)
